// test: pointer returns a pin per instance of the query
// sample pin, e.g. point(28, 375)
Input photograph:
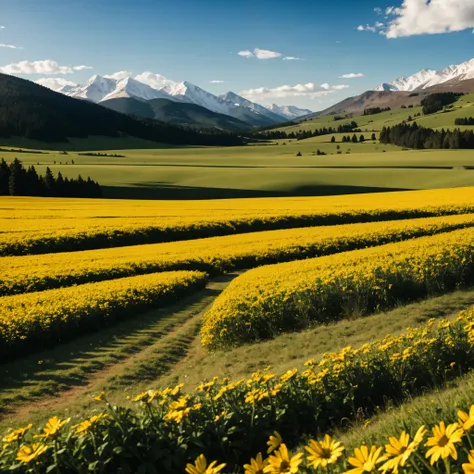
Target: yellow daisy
point(322, 453)
point(442, 442)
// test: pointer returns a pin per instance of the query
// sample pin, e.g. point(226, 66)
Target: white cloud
point(417, 17)
point(2, 27)
point(39, 67)
point(377, 27)
point(9, 46)
point(55, 83)
point(82, 68)
point(216, 81)
point(119, 75)
point(157, 81)
point(352, 75)
point(291, 58)
point(378, 10)
point(245, 54)
point(309, 90)
point(259, 54)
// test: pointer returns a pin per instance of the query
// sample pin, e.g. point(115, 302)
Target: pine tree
point(333, 139)
point(4, 178)
point(16, 181)
point(49, 182)
point(374, 137)
point(354, 138)
point(361, 139)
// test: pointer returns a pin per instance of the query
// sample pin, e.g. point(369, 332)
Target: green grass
point(148, 171)
point(273, 170)
point(162, 348)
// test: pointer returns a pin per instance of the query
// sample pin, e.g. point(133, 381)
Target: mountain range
point(107, 90)
point(427, 78)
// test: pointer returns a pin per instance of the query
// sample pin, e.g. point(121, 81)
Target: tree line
point(436, 102)
point(376, 110)
point(303, 134)
point(16, 180)
point(464, 121)
point(414, 136)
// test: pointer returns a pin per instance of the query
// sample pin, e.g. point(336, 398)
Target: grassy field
point(149, 171)
point(272, 170)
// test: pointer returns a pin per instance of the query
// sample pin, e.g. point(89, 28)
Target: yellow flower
point(443, 441)
point(400, 450)
point(27, 454)
point(282, 463)
point(466, 421)
point(52, 427)
point(200, 466)
point(365, 460)
point(256, 465)
point(323, 453)
point(100, 397)
point(17, 434)
point(288, 375)
point(88, 425)
point(468, 468)
point(274, 441)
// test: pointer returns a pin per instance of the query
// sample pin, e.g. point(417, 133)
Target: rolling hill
point(31, 111)
point(180, 113)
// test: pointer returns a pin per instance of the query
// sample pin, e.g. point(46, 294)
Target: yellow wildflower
point(442, 442)
point(281, 463)
point(324, 452)
point(274, 442)
point(26, 454)
point(200, 466)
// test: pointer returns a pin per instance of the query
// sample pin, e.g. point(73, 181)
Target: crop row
point(231, 421)
point(277, 298)
point(214, 255)
point(65, 225)
point(38, 320)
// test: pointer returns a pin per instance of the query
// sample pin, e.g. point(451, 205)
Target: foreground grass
point(292, 350)
point(161, 348)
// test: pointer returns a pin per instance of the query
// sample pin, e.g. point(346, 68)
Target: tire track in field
point(117, 359)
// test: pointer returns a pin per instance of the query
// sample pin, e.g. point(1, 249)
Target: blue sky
point(199, 41)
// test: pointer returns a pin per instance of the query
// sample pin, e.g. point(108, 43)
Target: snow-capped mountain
point(288, 111)
point(193, 94)
point(240, 101)
point(100, 89)
point(429, 77)
point(95, 89)
point(130, 88)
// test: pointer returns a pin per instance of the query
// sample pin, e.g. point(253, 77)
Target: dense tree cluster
point(303, 134)
point(35, 112)
point(376, 110)
point(414, 136)
point(436, 102)
point(16, 180)
point(464, 121)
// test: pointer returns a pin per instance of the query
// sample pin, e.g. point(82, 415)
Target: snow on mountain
point(129, 87)
point(188, 92)
point(288, 111)
point(95, 89)
point(429, 77)
point(148, 86)
point(239, 101)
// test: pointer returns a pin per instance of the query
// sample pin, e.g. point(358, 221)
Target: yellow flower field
point(38, 320)
point(289, 296)
point(213, 255)
point(42, 225)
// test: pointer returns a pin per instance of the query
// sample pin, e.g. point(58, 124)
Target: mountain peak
point(429, 77)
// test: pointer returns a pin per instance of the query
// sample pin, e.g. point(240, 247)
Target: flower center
point(326, 454)
point(443, 441)
point(284, 466)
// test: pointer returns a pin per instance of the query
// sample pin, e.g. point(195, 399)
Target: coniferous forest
point(414, 136)
point(16, 180)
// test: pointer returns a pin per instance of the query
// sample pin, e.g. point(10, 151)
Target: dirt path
point(120, 360)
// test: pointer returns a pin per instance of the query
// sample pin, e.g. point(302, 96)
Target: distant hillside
point(34, 112)
point(392, 99)
point(180, 113)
